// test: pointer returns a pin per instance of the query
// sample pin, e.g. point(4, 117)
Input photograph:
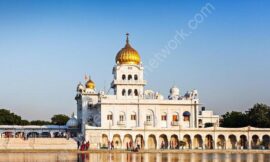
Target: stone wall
point(38, 143)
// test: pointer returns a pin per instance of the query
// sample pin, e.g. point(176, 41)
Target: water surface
point(133, 157)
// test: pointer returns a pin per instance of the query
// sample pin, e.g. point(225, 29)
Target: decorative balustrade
point(121, 122)
point(148, 123)
point(175, 123)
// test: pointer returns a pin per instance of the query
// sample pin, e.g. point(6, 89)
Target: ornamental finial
point(127, 41)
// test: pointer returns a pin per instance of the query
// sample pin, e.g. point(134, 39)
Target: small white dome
point(174, 91)
point(72, 122)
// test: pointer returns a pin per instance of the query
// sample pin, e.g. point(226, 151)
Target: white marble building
point(144, 117)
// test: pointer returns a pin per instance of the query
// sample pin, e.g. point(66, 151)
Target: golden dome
point(90, 84)
point(128, 55)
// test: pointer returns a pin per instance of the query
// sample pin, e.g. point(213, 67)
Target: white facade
point(143, 117)
point(133, 107)
point(207, 117)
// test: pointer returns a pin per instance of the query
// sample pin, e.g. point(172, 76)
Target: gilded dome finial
point(89, 83)
point(128, 55)
point(127, 41)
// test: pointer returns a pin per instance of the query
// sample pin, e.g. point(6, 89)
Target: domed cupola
point(72, 122)
point(128, 55)
point(174, 91)
point(90, 84)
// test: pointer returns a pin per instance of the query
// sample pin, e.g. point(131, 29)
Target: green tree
point(8, 118)
point(59, 119)
point(40, 122)
point(24, 122)
point(208, 125)
point(234, 119)
point(259, 116)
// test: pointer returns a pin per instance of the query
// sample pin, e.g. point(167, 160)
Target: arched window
point(164, 117)
point(123, 77)
point(133, 116)
point(136, 92)
point(135, 77)
point(122, 116)
point(149, 116)
point(129, 77)
point(129, 92)
point(186, 115)
point(123, 92)
point(175, 117)
point(200, 121)
point(110, 116)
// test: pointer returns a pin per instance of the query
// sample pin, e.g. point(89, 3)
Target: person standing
point(78, 145)
point(87, 145)
point(112, 145)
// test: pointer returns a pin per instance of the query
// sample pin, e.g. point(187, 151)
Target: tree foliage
point(40, 122)
point(59, 119)
point(208, 125)
point(234, 119)
point(9, 118)
point(257, 116)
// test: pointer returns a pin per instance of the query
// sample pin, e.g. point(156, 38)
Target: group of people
point(83, 146)
point(129, 146)
point(173, 145)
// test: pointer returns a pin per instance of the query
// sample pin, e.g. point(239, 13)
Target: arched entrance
point(127, 142)
point(163, 141)
point(117, 141)
point(187, 141)
point(45, 134)
point(243, 142)
point(19, 134)
point(152, 142)
point(7, 134)
point(174, 142)
point(32, 135)
point(266, 141)
point(105, 141)
point(58, 134)
point(139, 141)
point(232, 142)
point(198, 142)
point(221, 143)
point(209, 142)
point(255, 143)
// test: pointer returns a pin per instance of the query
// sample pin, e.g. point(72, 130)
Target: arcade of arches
point(187, 141)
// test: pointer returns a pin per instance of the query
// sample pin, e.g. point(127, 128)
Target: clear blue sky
point(46, 48)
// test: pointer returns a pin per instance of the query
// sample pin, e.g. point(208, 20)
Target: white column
point(146, 142)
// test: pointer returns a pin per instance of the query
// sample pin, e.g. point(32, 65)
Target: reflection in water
point(173, 157)
point(132, 157)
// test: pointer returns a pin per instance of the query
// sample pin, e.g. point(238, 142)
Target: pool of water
point(133, 157)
